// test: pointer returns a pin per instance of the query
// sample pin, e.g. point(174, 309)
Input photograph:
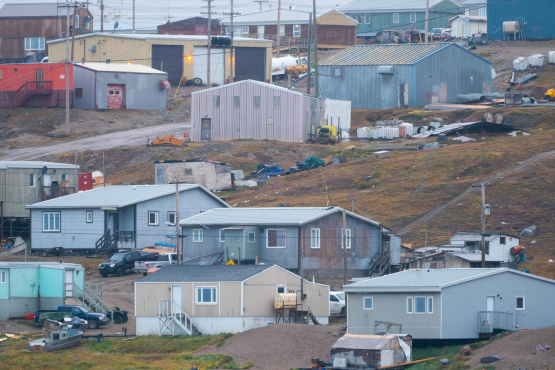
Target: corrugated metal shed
point(118, 67)
point(536, 17)
point(34, 10)
point(34, 164)
point(392, 54)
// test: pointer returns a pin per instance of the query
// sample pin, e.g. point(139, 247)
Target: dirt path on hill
point(122, 138)
point(520, 166)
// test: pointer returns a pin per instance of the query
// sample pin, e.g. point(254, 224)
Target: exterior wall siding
point(392, 307)
point(84, 79)
point(25, 282)
point(51, 282)
point(5, 287)
point(537, 17)
point(462, 302)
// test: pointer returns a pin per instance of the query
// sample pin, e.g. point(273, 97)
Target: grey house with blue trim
point(403, 75)
point(450, 303)
point(133, 216)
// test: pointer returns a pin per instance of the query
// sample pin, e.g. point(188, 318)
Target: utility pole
point(73, 32)
point(345, 253)
point(484, 211)
point(103, 172)
point(67, 66)
point(426, 20)
point(315, 34)
point(133, 16)
point(178, 245)
point(309, 49)
point(260, 2)
point(278, 36)
point(209, 34)
point(231, 59)
point(353, 201)
point(102, 16)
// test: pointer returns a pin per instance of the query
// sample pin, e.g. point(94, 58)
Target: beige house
point(220, 299)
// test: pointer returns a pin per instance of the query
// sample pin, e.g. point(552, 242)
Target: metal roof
point(263, 84)
point(365, 6)
point(475, 257)
point(159, 37)
point(475, 2)
point(368, 342)
point(203, 274)
point(34, 10)
point(388, 54)
point(284, 216)
point(119, 67)
point(35, 164)
point(142, 25)
point(474, 237)
point(56, 265)
point(473, 18)
point(116, 196)
point(270, 17)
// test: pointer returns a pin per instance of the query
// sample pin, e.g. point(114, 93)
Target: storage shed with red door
point(119, 86)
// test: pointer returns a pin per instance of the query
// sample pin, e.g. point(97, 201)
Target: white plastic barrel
point(520, 64)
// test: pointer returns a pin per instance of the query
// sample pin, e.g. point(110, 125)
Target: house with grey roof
point(450, 303)
point(308, 238)
point(442, 259)
point(123, 217)
point(375, 16)
point(223, 299)
point(403, 75)
point(498, 245)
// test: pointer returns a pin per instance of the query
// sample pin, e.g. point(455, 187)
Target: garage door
point(168, 58)
point(115, 98)
point(217, 67)
point(250, 64)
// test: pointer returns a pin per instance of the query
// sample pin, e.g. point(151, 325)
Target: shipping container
point(85, 181)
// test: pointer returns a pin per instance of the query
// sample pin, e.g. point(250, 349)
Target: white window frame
point(425, 303)
point(156, 220)
point(503, 240)
point(52, 230)
point(33, 176)
point(237, 31)
point(228, 31)
point(410, 307)
point(249, 237)
point(395, 15)
point(243, 29)
point(174, 216)
point(284, 238)
point(296, 30)
point(28, 46)
point(222, 240)
point(76, 21)
point(198, 235)
point(429, 307)
point(367, 18)
point(88, 219)
point(281, 286)
point(2, 277)
point(315, 240)
point(523, 303)
point(359, 18)
point(282, 30)
point(212, 295)
point(349, 238)
point(364, 303)
point(412, 17)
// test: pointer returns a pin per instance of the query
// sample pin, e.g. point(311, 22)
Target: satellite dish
point(44, 170)
point(116, 25)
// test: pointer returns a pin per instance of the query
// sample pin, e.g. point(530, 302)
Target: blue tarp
point(164, 244)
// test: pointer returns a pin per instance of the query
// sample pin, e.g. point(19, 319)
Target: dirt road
point(520, 166)
point(122, 138)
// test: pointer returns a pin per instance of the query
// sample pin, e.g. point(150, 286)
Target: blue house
point(26, 287)
point(128, 217)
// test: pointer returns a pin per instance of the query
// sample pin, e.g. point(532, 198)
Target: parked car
point(67, 310)
point(337, 304)
point(436, 33)
point(164, 259)
point(121, 262)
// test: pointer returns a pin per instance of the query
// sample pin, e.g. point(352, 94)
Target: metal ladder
point(521, 29)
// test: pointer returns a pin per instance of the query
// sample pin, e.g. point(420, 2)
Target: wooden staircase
point(30, 89)
point(107, 244)
point(379, 265)
point(312, 317)
point(171, 317)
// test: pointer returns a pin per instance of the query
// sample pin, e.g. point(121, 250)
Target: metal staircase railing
point(91, 297)
point(169, 314)
point(29, 89)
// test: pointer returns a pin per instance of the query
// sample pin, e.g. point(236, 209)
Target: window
point(64, 177)
point(78, 93)
point(367, 19)
point(198, 235)
point(482, 12)
point(76, 21)
point(520, 303)
point(236, 102)
point(297, 30)
point(277, 102)
point(348, 238)
point(412, 17)
point(430, 305)
point(503, 240)
point(51, 221)
point(334, 298)
point(419, 304)
point(216, 101)
point(171, 218)
point(251, 238)
point(395, 17)
point(32, 180)
point(281, 288)
point(270, 120)
point(222, 235)
point(282, 30)
point(368, 303)
point(188, 171)
point(153, 218)
point(2, 277)
point(438, 259)
point(256, 102)
point(409, 305)
point(228, 31)
point(245, 31)
point(236, 31)
point(275, 238)
point(315, 238)
point(34, 43)
point(359, 18)
point(206, 295)
point(89, 217)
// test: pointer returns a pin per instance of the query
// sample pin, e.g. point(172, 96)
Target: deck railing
point(488, 321)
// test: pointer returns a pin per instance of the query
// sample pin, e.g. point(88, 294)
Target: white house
point(498, 246)
point(468, 25)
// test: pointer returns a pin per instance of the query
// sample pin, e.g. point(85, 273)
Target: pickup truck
point(94, 319)
point(121, 262)
point(165, 259)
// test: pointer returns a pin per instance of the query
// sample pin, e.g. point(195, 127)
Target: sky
point(186, 8)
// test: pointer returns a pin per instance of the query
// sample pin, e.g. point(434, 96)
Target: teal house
point(375, 16)
point(26, 287)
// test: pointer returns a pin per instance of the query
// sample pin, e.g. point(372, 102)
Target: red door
point(115, 97)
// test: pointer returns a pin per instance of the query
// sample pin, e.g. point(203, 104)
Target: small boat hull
point(47, 345)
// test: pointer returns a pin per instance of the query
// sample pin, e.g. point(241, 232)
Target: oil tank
point(517, 250)
point(511, 27)
point(286, 301)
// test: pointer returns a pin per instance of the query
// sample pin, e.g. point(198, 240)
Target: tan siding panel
point(148, 294)
point(230, 299)
point(336, 19)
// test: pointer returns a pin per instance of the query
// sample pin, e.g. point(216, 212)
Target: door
point(176, 298)
point(168, 58)
point(250, 64)
point(113, 222)
point(205, 129)
point(115, 99)
point(260, 32)
point(47, 183)
point(490, 307)
point(38, 78)
point(69, 284)
point(466, 28)
point(217, 67)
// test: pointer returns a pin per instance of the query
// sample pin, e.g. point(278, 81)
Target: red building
point(34, 85)
point(190, 26)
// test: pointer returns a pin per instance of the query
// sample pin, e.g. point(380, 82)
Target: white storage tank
point(551, 57)
point(535, 60)
point(378, 132)
point(286, 301)
point(363, 133)
point(392, 132)
point(511, 27)
point(520, 64)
